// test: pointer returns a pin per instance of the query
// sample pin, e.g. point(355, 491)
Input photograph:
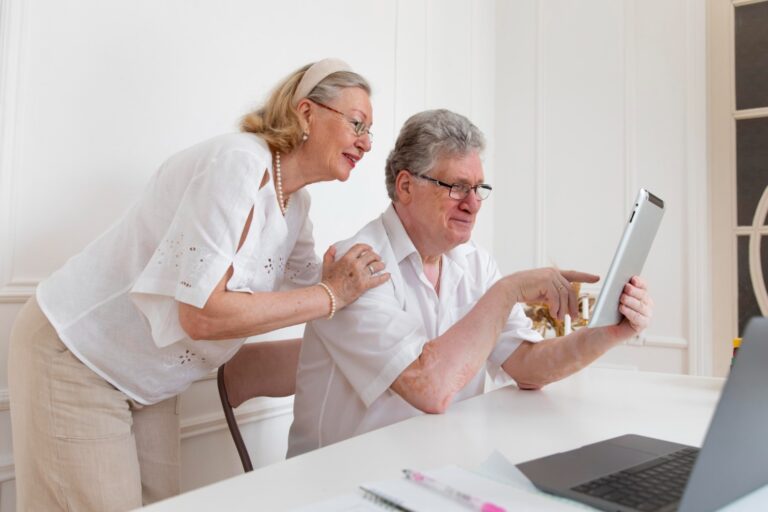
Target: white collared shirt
point(348, 364)
point(115, 304)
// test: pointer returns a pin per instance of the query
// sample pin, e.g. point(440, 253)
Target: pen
point(389, 501)
point(451, 493)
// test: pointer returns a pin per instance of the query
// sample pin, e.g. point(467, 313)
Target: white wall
point(594, 100)
point(581, 102)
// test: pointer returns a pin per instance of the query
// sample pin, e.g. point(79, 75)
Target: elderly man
point(427, 337)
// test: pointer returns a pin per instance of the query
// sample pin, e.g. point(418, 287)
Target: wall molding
point(12, 31)
point(630, 104)
point(17, 292)
point(7, 473)
point(212, 422)
point(540, 164)
point(698, 243)
point(410, 60)
point(666, 342)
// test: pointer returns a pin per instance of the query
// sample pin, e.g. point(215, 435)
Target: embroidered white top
point(115, 304)
point(348, 363)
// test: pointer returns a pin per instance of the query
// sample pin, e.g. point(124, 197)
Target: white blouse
point(115, 304)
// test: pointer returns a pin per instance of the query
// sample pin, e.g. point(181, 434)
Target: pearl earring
point(304, 137)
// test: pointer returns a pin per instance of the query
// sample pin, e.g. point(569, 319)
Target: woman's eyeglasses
point(359, 127)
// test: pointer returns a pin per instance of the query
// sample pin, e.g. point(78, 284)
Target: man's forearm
point(534, 365)
point(451, 360)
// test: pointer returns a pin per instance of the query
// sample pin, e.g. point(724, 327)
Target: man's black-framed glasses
point(459, 191)
point(359, 127)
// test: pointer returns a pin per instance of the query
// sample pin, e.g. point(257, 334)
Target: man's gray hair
point(428, 136)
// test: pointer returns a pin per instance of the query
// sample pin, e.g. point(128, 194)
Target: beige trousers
point(80, 444)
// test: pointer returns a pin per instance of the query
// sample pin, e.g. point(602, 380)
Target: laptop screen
point(733, 460)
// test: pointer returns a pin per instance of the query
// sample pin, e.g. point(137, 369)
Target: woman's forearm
point(229, 315)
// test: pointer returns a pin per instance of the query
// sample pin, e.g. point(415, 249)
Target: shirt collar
point(401, 243)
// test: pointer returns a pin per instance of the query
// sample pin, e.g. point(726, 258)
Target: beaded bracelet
point(330, 296)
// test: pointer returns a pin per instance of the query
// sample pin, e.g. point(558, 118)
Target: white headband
point(315, 74)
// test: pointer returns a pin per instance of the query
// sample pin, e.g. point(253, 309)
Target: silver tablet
point(629, 258)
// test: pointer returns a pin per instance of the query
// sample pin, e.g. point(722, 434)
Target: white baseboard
point(207, 423)
point(7, 473)
point(17, 293)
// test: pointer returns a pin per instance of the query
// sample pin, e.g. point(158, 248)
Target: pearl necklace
point(279, 184)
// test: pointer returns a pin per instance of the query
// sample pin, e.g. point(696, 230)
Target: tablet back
point(629, 258)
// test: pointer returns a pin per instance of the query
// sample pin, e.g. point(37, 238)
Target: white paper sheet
point(418, 498)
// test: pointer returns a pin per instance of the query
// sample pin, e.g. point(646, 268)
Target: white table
point(590, 406)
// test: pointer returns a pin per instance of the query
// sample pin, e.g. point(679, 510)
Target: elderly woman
point(171, 291)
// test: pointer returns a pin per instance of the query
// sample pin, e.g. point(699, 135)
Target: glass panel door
point(751, 118)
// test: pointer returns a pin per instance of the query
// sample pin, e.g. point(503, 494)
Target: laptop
point(638, 473)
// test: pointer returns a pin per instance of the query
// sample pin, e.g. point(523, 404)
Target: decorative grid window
point(751, 121)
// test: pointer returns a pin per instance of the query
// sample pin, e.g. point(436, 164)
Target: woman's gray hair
point(425, 138)
point(330, 87)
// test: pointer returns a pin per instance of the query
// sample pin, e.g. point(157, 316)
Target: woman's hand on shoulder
point(359, 270)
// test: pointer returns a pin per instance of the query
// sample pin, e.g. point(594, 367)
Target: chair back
point(258, 369)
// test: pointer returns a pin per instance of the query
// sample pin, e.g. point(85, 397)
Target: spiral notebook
point(403, 495)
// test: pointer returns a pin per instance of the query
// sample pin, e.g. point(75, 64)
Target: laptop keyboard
point(649, 486)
